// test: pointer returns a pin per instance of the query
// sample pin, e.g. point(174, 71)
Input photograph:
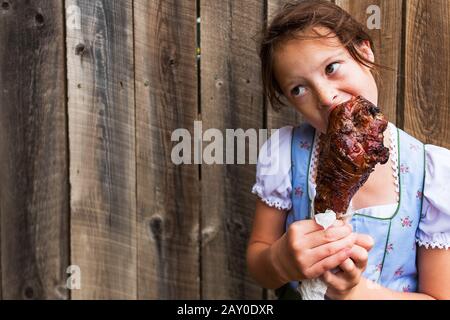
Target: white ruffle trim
point(314, 164)
point(432, 244)
point(393, 150)
point(270, 201)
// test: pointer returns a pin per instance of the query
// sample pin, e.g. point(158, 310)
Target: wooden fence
point(90, 92)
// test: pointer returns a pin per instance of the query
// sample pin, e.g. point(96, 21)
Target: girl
point(315, 56)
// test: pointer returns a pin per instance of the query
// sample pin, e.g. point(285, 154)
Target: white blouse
point(273, 184)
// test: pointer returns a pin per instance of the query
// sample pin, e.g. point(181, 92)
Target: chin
point(320, 125)
point(322, 128)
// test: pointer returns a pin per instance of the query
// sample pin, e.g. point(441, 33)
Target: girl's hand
point(343, 284)
point(306, 251)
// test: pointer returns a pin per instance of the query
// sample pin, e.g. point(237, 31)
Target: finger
point(359, 255)
point(310, 226)
point(317, 269)
point(305, 227)
point(348, 267)
point(321, 237)
point(336, 281)
point(331, 248)
point(347, 270)
point(330, 279)
point(338, 223)
point(345, 278)
point(365, 241)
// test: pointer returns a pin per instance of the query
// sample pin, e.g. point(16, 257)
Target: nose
point(328, 98)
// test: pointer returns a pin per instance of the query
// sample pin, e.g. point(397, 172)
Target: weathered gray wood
point(387, 46)
point(230, 98)
point(34, 205)
point(168, 195)
point(102, 149)
point(427, 69)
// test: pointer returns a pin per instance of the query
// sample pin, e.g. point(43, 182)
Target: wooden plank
point(387, 46)
point(287, 116)
point(102, 149)
point(427, 69)
point(230, 98)
point(168, 195)
point(34, 186)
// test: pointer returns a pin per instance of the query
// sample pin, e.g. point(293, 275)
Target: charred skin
point(349, 151)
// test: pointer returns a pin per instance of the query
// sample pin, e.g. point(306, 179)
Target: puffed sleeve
point(434, 226)
point(273, 177)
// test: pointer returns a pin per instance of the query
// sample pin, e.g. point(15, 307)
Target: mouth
point(331, 110)
point(347, 104)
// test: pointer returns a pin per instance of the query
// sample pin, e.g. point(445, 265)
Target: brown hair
point(303, 15)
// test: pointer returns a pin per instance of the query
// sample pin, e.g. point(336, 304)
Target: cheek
point(368, 89)
point(362, 83)
point(312, 115)
point(307, 106)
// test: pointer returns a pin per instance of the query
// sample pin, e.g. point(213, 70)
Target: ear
point(366, 50)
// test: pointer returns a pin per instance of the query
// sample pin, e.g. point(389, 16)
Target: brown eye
point(332, 68)
point(298, 91)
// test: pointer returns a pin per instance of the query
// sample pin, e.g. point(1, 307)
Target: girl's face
point(316, 75)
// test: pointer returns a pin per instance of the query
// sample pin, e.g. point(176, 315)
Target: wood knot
point(5, 5)
point(156, 227)
point(208, 234)
point(29, 293)
point(39, 18)
point(79, 49)
point(219, 83)
point(236, 227)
